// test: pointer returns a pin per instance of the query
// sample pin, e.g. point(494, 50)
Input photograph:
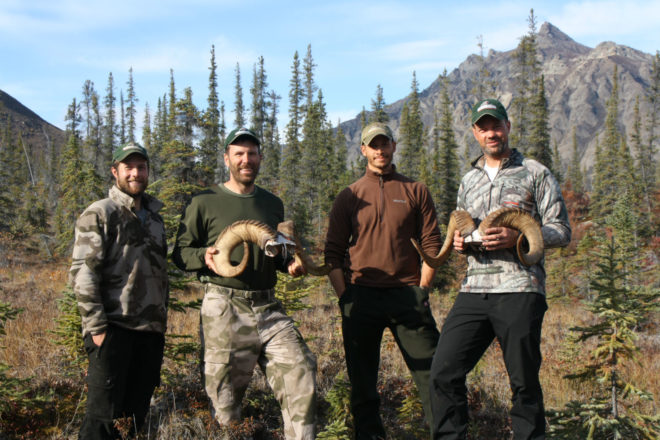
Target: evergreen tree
point(93, 141)
point(78, 183)
point(527, 67)
point(606, 188)
point(210, 121)
point(171, 110)
point(290, 165)
point(160, 135)
point(557, 165)
point(109, 127)
point(146, 129)
point(484, 85)
point(122, 118)
point(270, 166)
point(12, 178)
point(131, 109)
point(258, 92)
point(619, 306)
point(239, 110)
point(575, 177)
point(378, 107)
point(646, 166)
point(538, 141)
point(411, 134)
point(448, 164)
point(309, 86)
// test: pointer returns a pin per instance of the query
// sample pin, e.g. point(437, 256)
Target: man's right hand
point(208, 258)
point(98, 339)
point(459, 241)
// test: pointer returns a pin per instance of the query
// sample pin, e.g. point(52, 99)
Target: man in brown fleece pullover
point(378, 276)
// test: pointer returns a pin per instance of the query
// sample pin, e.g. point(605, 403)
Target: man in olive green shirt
point(242, 322)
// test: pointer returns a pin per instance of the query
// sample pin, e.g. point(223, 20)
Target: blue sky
point(49, 48)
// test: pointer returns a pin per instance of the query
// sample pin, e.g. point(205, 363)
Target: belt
point(252, 295)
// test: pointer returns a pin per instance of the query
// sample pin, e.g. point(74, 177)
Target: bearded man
point(242, 324)
point(119, 276)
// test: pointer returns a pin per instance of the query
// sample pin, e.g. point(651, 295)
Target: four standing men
point(499, 297)
point(377, 275)
point(242, 322)
point(119, 276)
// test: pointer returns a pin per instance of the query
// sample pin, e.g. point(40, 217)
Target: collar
point(375, 175)
point(514, 159)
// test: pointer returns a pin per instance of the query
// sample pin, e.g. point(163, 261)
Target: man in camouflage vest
point(242, 324)
point(119, 276)
point(499, 297)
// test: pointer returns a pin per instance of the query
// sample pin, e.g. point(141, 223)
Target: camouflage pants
point(241, 329)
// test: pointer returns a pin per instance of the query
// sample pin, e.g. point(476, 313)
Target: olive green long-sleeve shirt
point(208, 213)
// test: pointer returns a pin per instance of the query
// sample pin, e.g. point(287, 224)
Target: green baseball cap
point(123, 152)
point(491, 107)
point(238, 132)
point(376, 129)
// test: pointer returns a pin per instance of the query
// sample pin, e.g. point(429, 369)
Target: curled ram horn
point(513, 218)
point(242, 231)
point(287, 228)
point(458, 220)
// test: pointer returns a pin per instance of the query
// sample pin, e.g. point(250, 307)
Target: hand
point(500, 238)
point(208, 258)
point(459, 241)
point(98, 339)
point(296, 269)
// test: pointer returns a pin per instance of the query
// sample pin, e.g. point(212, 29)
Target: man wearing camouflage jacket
point(119, 276)
point(499, 297)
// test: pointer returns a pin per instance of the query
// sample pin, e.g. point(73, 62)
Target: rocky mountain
point(39, 139)
point(578, 82)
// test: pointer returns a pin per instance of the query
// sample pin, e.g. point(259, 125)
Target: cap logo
point(486, 106)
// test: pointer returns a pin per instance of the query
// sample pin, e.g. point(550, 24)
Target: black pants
point(123, 373)
point(515, 319)
point(366, 312)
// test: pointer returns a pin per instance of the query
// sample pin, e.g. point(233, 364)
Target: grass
point(180, 410)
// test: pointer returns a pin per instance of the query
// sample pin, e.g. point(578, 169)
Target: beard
point(134, 187)
point(245, 179)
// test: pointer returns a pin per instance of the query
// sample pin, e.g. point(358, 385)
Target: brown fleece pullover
point(371, 224)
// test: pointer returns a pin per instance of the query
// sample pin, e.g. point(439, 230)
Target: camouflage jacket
point(522, 183)
point(119, 268)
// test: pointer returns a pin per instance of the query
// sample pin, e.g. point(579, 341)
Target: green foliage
point(292, 291)
point(68, 330)
point(378, 107)
point(339, 413)
point(408, 414)
point(619, 306)
point(411, 134)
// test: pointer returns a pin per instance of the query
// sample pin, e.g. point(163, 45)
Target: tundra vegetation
point(601, 342)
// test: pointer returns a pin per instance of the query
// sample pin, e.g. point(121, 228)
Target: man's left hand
point(500, 238)
point(295, 269)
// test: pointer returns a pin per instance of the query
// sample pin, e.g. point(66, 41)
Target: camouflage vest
point(119, 268)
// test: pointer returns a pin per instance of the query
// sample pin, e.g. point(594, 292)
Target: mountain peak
point(552, 41)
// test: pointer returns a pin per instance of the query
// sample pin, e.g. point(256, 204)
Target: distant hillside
point(41, 139)
point(578, 82)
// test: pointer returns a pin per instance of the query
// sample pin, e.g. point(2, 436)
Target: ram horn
point(242, 231)
point(287, 228)
point(458, 220)
point(515, 218)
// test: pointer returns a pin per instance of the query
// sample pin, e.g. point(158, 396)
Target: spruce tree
point(484, 85)
point(646, 166)
point(146, 128)
point(614, 409)
point(239, 110)
point(290, 165)
point(210, 122)
point(309, 86)
point(448, 163)
point(527, 68)
point(12, 178)
point(131, 108)
point(411, 134)
point(537, 145)
point(109, 127)
point(122, 118)
point(78, 183)
point(270, 165)
point(575, 177)
point(378, 107)
point(606, 188)
point(258, 92)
